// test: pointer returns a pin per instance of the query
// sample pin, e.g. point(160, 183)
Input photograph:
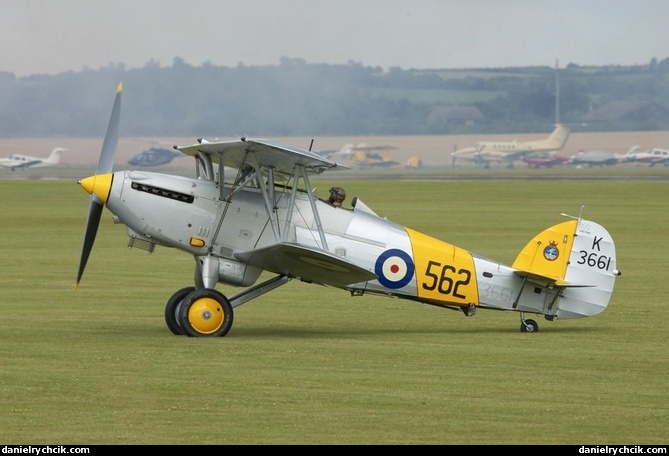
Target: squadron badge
point(551, 251)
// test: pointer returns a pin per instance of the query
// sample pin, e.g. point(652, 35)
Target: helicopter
point(155, 156)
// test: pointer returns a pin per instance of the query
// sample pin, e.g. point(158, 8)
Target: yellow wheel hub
point(206, 315)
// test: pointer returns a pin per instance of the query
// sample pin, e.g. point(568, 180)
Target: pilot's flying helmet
point(337, 194)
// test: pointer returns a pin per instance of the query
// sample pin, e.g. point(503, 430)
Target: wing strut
point(314, 209)
point(221, 178)
point(267, 190)
point(204, 167)
point(291, 203)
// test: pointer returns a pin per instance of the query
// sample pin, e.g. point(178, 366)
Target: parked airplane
point(592, 158)
point(20, 161)
point(654, 156)
point(269, 220)
point(414, 163)
point(545, 160)
point(507, 152)
point(361, 156)
point(153, 157)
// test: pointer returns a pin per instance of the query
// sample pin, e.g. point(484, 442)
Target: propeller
point(90, 184)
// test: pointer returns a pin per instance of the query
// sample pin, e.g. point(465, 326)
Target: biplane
point(268, 219)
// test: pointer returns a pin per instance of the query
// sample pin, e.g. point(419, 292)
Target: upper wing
point(283, 158)
point(306, 263)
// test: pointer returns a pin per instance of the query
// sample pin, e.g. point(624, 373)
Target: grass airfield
point(306, 364)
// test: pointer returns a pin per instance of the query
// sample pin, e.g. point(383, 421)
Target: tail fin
point(579, 258)
point(630, 155)
point(54, 157)
point(546, 254)
point(559, 136)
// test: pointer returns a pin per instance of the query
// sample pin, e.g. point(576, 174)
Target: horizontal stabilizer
point(305, 263)
point(549, 281)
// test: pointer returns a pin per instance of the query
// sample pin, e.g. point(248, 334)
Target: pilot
point(337, 196)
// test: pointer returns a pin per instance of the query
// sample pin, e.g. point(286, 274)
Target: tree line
point(296, 98)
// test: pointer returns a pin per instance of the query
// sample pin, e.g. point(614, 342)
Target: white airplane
point(20, 161)
point(268, 219)
point(654, 156)
point(507, 152)
point(592, 158)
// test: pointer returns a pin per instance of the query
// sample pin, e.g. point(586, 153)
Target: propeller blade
point(105, 166)
point(92, 223)
point(108, 153)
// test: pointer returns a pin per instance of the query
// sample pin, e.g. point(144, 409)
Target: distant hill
point(295, 98)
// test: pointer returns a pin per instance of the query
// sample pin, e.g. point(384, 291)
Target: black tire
point(529, 326)
point(172, 309)
point(205, 313)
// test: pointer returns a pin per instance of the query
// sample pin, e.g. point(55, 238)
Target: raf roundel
point(394, 268)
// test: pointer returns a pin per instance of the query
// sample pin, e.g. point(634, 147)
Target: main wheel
point(172, 310)
point(205, 313)
point(529, 326)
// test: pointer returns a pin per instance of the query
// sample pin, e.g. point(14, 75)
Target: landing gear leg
point(529, 325)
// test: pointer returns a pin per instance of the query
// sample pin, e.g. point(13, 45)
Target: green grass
point(311, 365)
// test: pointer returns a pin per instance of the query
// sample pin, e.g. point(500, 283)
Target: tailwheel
point(205, 313)
point(529, 325)
point(172, 310)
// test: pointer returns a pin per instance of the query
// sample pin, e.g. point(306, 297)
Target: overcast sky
point(53, 36)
